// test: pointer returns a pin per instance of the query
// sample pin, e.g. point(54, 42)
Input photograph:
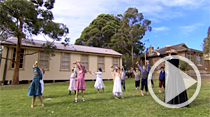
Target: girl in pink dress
point(80, 85)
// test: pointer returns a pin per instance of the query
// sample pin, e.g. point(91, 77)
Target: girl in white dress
point(41, 81)
point(117, 88)
point(99, 81)
point(72, 83)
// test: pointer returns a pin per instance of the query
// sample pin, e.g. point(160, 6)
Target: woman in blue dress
point(35, 86)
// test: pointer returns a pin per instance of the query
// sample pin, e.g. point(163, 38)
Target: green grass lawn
point(14, 102)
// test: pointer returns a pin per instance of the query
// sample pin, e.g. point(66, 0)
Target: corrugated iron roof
point(78, 48)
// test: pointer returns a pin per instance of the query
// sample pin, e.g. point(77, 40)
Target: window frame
point(13, 58)
point(48, 66)
point(81, 56)
point(199, 59)
point(103, 69)
point(190, 56)
point(61, 69)
point(117, 61)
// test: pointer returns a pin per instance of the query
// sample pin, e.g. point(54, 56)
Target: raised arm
point(112, 72)
point(83, 69)
point(139, 66)
point(123, 68)
point(148, 66)
point(35, 71)
point(78, 66)
point(134, 72)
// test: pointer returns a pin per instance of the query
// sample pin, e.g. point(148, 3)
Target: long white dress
point(99, 84)
point(72, 83)
point(42, 84)
point(117, 88)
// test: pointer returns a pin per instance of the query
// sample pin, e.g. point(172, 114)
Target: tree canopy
point(99, 32)
point(25, 18)
point(122, 33)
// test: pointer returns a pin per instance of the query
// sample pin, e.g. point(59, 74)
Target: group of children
point(119, 79)
point(143, 73)
point(98, 84)
point(36, 87)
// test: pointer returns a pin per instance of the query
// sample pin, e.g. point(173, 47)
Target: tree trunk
point(132, 56)
point(15, 78)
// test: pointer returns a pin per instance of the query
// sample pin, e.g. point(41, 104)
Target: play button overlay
point(176, 78)
point(176, 82)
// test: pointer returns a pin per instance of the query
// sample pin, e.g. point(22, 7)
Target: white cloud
point(162, 28)
point(77, 14)
point(193, 3)
point(190, 28)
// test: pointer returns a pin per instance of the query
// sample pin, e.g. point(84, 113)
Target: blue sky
point(173, 21)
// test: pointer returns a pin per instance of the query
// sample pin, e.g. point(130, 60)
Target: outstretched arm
point(94, 73)
point(158, 53)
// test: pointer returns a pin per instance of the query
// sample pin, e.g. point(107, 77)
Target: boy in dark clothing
point(161, 78)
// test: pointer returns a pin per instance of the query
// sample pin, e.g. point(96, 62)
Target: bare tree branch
point(30, 53)
point(8, 59)
point(126, 49)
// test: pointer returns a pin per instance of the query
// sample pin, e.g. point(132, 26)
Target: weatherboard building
point(59, 66)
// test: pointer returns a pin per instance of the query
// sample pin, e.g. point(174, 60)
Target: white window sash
point(84, 61)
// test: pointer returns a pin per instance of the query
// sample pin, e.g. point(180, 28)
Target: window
point(198, 58)
point(21, 58)
point(44, 60)
point(115, 62)
point(84, 61)
point(65, 61)
point(101, 63)
point(189, 56)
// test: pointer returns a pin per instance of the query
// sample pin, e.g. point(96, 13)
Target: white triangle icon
point(177, 82)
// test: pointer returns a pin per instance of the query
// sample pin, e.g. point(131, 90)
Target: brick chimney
point(151, 48)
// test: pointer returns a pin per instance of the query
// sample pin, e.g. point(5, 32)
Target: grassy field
point(14, 102)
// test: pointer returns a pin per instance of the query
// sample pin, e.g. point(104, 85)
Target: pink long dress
point(80, 85)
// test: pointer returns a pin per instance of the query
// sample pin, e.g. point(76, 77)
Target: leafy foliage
point(183, 66)
point(132, 30)
point(99, 32)
point(25, 18)
point(122, 33)
point(206, 44)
